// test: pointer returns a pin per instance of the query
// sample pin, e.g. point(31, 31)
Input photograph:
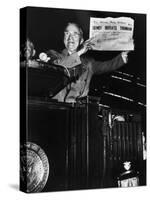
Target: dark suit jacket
point(82, 68)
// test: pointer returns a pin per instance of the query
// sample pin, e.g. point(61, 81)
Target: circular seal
point(34, 167)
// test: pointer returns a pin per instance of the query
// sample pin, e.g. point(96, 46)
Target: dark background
point(45, 27)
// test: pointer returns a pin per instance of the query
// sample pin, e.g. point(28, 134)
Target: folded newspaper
point(111, 34)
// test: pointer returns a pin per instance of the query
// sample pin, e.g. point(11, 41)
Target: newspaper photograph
point(111, 34)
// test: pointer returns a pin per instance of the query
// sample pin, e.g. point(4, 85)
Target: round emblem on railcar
point(34, 167)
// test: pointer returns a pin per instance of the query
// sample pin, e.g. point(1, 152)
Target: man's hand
point(86, 46)
point(124, 55)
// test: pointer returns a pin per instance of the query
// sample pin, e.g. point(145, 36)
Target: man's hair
point(78, 27)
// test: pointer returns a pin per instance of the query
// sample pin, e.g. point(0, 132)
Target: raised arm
point(111, 65)
point(73, 60)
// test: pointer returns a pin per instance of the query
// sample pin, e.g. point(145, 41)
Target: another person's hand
point(33, 64)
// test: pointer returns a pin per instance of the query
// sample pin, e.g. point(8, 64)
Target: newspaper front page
point(111, 34)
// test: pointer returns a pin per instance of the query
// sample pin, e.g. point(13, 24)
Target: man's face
point(72, 38)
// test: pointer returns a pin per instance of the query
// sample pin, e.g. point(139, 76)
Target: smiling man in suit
point(74, 58)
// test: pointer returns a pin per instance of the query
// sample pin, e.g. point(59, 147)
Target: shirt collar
point(65, 52)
